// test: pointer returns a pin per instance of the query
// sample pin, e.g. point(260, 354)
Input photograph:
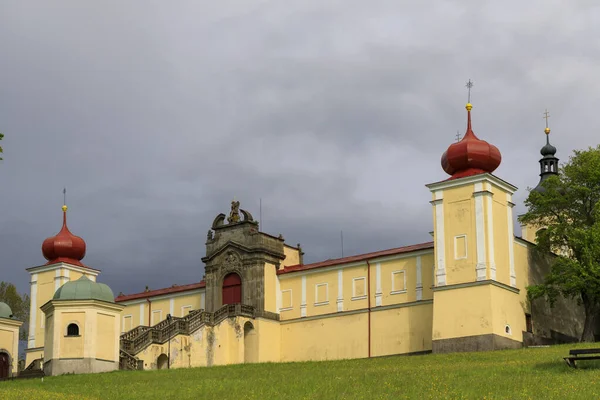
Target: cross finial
point(65, 196)
point(458, 136)
point(469, 85)
point(546, 116)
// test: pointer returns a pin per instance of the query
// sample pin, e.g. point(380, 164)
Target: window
point(359, 288)
point(127, 323)
point(286, 300)
point(156, 317)
point(72, 330)
point(460, 247)
point(528, 323)
point(398, 282)
point(185, 310)
point(321, 294)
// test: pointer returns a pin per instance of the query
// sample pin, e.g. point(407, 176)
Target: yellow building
point(259, 301)
point(9, 342)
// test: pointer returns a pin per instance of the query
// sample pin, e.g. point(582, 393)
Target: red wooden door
point(4, 364)
point(232, 289)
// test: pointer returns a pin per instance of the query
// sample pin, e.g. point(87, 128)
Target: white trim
point(51, 267)
point(511, 250)
point(32, 310)
point(340, 296)
point(490, 234)
point(378, 290)
point(303, 301)
point(400, 256)
point(163, 296)
point(359, 278)
point(319, 302)
point(419, 280)
point(291, 306)
point(440, 272)
point(438, 195)
point(473, 179)
point(130, 316)
point(277, 294)
point(480, 268)
point(159, 319)
point(183, 308)
point(56, 279)
point(67, 276)
point(466, 249)
point(172, 307)
point(142, 313)
point(398, 290)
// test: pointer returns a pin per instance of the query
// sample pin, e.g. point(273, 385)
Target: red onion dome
point(64, 247)
point(470, 156)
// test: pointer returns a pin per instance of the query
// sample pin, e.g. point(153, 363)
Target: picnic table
point(581, 354)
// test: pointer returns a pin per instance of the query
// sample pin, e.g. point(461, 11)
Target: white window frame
point(152, 316)
point(456, 257)
point(359, 278)
point(321, 302)
point(395, 290)
point(123, 326)
point(291, 300)
point(183, 308)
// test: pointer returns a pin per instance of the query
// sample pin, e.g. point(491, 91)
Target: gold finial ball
point(469, 106)
point(64, 208)
point(547, 130)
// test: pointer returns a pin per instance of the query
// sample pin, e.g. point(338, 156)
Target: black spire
point(548, 162)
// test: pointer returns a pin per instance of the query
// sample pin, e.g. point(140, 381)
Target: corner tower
point(476, 304)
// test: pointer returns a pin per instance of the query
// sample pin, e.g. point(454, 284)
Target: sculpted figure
point(234, 215)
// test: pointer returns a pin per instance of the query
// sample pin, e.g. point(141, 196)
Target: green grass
point(535, 373)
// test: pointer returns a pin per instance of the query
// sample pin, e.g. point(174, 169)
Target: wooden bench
point(582, 354)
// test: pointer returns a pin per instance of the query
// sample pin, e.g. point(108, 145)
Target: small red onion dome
point(64, 247)
point(470, 156)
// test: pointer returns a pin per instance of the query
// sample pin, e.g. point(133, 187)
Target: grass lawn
point(538, 373)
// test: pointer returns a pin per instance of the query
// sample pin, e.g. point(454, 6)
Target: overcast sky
point(156, 114)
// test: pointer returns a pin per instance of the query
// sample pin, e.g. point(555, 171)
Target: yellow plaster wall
point(501, 240)
point(409, 266)
point(105, 336)
point(459, 219)
point(349, 274)
point(427, 275)
point(507, 310)
point(45, 291)
point(330, 279)
point(49, 337)
point(9, 341)
point(401, 330)
point(339, 337)
point(269, 339)
point(292, 257)
point(71, 347)
point(462, 312)
point(293, 283)
point(522, 271)
point(270, 279)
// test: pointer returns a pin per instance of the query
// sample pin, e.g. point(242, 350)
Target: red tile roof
point(357, 258)
point(160, 292)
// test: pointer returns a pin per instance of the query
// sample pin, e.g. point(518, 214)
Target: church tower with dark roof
point(548, 162)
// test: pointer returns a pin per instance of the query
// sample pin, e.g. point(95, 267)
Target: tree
point(568, 210)
point(19, 304)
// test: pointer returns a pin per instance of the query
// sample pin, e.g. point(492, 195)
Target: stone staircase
point(141, 337)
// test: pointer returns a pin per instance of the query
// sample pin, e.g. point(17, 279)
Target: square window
point(286, 300)
point(460, 247)
point(398, 282)
point(359, 288)
point(321, 293)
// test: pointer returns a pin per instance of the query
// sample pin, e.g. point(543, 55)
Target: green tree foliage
point(569, 213)
point(19, 304)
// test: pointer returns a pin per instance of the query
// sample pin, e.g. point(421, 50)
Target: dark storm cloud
point(335, 113)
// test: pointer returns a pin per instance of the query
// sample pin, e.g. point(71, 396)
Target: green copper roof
point(84, 289)
point(5, 311)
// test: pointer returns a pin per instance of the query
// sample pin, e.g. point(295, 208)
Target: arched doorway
point(161, 361)
point(232, 289)
point(250, 343)
point(4, 365)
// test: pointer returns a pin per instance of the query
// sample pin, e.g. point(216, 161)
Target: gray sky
point(155, 115)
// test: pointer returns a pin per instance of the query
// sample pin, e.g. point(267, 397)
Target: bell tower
point(474, 254)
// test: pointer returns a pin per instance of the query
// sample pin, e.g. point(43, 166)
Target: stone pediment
point(254, 248)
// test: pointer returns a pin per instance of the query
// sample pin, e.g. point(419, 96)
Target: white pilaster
point(32, 310)
point(203, 300)
point(511, 240)
point(340, 296)
point(490, 232)
point(303, 303)
point(67, 276)
point(378, 291)
point(480, 233)
point(57, 279)
point(142, 313)
point(172, 307)
point(419, 280)
point(439, 238)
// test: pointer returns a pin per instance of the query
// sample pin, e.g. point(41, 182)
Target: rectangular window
point(359, 288)
point(127, 323)
point(398, 282)
point(156, 317)
point(528, 323)
point(286, 300)
point(321, 294)
point(460, 247)
point(185, 310)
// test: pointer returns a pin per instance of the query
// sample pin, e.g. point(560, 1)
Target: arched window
point(232, 289)
point(72, 330)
